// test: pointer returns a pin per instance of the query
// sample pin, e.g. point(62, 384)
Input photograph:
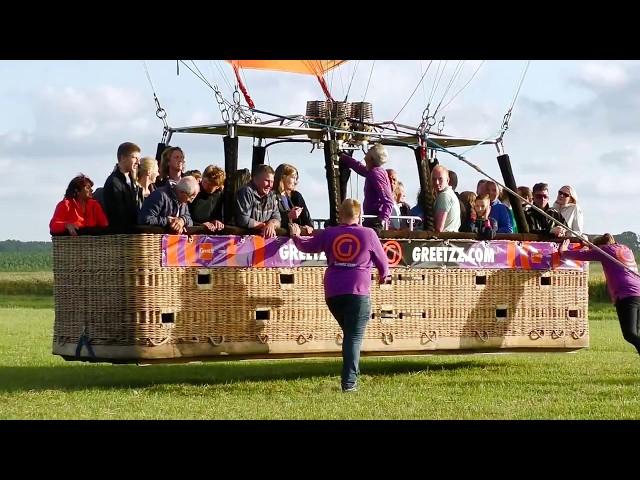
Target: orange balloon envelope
point(307, 67)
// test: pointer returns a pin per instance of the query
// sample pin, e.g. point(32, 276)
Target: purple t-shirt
point(621, 282)
point(378, 199)
point(351, 251)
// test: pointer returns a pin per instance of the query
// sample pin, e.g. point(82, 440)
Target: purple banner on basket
point(210, 251)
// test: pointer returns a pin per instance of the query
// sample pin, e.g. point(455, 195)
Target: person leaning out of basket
point(623, 283)
point(257, 205)
point(378, 196)
point(77, 210)
point(206, 209)
point(351, 251)
point(168, 206)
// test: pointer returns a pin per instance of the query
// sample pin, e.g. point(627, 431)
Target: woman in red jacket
point(77, 209)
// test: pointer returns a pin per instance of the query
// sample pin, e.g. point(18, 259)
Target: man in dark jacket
point(120, 190)
point(538, 223)
point(168, 206)
point(206, 209)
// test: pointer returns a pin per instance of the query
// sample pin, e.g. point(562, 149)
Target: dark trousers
point(352, 313)
point(629, 315)
point(374, 223)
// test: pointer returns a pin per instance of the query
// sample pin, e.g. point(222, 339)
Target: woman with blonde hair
point(293, 208)
point(146, 177)
point(352, 251)
point(567, 205)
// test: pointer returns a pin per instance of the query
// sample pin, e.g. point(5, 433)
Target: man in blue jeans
point(351, 251)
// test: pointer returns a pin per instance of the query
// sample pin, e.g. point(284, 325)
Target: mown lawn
point(602, 382)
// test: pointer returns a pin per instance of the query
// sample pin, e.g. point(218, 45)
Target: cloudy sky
point(574, 122)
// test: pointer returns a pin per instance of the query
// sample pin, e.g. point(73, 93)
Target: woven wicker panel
point(115, 289)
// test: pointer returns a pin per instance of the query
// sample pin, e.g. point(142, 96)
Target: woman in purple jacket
point(351, 251)
point(378, 197)
point(623, 285)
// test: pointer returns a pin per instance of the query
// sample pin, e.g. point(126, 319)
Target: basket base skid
point(290, 349)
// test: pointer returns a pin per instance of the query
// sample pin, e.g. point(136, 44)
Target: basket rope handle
point(536, 334)
point(302, 338)
point(577, 335)
point(484, 335)
point(555, 334)
point(157, 344)
point(213, 342)
point(263, 338)
point(387, 338)
point(429, 338)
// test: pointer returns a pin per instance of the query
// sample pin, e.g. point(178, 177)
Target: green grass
point(26, 261)
point(602, 382)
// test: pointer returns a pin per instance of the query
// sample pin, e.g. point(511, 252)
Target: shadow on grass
point(106, 376)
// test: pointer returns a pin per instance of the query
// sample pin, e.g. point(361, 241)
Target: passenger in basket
point(147, 175)
point(206, 209)
point(400, 208)
point(167, 206)
point(120, 190)
point(257, 205)
point(468, 215)
point(351, 251)
point(291, 204)
point(499, 210)
point(525, 192)
point(623, 285)
point(197, 174)
point(171, 166)
point(77, 209)
point(540, 224)
point(567, 204)
point(378, 196)
point(484, 225)
point(447, 205)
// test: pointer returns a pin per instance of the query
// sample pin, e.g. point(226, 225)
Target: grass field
point(602, 382)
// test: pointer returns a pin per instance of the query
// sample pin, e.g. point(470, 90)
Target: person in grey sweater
point(257, 204)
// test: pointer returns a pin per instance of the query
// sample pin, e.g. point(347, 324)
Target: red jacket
point(68, 211)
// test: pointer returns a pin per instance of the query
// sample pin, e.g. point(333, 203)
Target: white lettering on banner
point(289, 251)
point(475, 255)
point(489, 255)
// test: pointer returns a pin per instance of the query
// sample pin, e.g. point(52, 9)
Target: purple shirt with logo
point(621, 282)
point(351, 251)
point(378, 198)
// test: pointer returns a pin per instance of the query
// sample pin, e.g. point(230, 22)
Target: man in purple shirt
point(351, 251)
point(378, 197)
point(623, 285)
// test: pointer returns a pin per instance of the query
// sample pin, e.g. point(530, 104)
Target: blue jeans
point(352, 313)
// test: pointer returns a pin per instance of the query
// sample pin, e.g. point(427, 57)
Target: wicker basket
point(112, 293)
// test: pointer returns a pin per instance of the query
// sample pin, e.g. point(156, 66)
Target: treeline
point(16, 246)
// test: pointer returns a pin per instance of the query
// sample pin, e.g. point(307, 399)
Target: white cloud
point(603, 75)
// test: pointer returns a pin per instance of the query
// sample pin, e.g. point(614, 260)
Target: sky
point(574, 123)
